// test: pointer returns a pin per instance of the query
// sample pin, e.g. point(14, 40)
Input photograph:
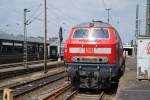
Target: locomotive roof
point(7, 36)
point(94, 23)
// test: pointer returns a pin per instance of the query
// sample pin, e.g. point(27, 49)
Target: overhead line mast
point(148, 18)
point(25, 58)
point(108, 14)
point(137, 22)
point(45, 38)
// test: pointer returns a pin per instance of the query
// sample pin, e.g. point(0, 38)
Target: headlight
point(105, 60)
point(74, 59)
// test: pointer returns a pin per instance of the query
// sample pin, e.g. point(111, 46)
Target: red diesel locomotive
point(93, 55)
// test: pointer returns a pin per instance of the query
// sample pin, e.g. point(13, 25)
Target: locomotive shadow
point(112, 90)
point(108, 91)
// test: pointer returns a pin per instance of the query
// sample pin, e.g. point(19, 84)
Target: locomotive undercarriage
point(94, 76)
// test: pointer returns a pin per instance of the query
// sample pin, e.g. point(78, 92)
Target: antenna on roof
point(97, 21)
point(91, 24)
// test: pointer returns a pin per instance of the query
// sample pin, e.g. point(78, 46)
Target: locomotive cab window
point(91, 34)
point(99, 33)
point(81, 33)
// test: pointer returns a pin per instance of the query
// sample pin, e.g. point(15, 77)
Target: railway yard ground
point(54, 85)
point(75, 50)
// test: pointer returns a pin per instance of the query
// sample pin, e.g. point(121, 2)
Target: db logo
point(89, 50)
point(148, 48)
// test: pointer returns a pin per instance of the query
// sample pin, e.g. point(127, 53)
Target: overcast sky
point(67, 13)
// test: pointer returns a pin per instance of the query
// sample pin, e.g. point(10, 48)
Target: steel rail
point(72, 95)
point(76, 93)
point(101, 95)
point(57, 93)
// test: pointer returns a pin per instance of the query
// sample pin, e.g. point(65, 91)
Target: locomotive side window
point(81, 33)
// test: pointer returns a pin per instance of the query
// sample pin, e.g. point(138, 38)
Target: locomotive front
point(92, 55)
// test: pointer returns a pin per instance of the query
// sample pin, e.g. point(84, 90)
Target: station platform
point(129, 87)
point(29, 66)
point(11, 72)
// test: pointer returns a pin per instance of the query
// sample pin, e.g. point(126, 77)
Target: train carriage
point(93, 55)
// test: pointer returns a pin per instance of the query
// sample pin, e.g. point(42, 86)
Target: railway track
point(78, 94)
point(58, 92)
point(23, 88)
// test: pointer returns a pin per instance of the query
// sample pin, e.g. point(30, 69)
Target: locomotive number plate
point(89, 50)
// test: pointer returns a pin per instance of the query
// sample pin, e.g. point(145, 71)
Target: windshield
point(91, 34)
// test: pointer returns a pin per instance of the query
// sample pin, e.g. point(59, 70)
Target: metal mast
point(137, 21)
point(108, 14)
point(148, 18)
point(45, 39)
point(136, 28)
point(60, 41)
point(25, 40)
